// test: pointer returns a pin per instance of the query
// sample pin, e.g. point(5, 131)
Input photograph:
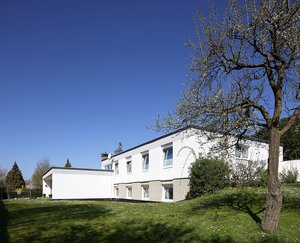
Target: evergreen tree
point(119, 149)
point(68, 164)
point(14, 178)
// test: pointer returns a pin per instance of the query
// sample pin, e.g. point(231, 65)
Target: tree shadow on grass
point(34, 223)
point(4, 237)
point(241, 201)
point(49, 213)
point(291, 200)
point(152, 231)
point(127, 231)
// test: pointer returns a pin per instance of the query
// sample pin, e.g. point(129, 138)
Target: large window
point(129, 191)
point(129, 167)
point(145, 191)
point(242, 151)
point(145, 161)
point(168, 192)
point(116, 168)
point(168, 156)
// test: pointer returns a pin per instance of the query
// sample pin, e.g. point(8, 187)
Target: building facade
point(157, 170)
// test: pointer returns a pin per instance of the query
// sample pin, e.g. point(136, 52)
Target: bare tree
point(244, 76)
point(2, 175)
point(2, 181)
point(41, 168)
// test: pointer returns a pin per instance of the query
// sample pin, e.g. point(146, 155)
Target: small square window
point(129, 192)
point(145, 161)
point(242, 151)
point(129, 167)
point(168, 156)
point(168, 192)
point(108, 167)
point(117, 168)
point(145, 191)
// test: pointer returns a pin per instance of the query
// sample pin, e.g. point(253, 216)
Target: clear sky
point(77, 76)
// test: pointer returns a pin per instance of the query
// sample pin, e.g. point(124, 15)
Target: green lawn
point(229, 216)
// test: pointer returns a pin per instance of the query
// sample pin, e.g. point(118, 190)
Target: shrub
point(207, 176)
point(289, 176)
point(249, 173)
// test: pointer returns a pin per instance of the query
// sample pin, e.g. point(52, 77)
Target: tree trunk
point(274, 197)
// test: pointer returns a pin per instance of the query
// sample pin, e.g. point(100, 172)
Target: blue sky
point(78, 76)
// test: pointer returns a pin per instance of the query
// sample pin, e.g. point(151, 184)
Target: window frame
point(145, 155)
point(129, 162)
point(242, 151)
point(168, 162)
point(117, 168)
point(108, 167)
point(166, 192)
point(129, 191)
point(144, 190)
point(116, 191)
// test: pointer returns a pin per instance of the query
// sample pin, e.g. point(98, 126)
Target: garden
point(228, 215)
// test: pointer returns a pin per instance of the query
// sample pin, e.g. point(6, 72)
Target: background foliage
point(41, 168)
point(290, 141)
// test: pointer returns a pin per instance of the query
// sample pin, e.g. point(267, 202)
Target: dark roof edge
point(158, 138)
point(180, 130)
point(71, 168)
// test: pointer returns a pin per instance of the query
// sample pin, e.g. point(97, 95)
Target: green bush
point(208, 176)
point(289, 176)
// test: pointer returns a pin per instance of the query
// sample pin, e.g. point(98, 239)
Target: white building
point(74, 183)
point(156, 170)
point(290, 165)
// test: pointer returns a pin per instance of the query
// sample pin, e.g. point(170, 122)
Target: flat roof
point(72, 168)
point(181, 130)
point(153, 140)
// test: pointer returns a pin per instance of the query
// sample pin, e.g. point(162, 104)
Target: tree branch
point(291, 121)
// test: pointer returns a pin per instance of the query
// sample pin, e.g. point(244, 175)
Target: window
point(129, 192)
point(129, 167)
point(117, 168)
point(241, 151)
point(116, 191)
point(145, 161)
point(145, 191)
point(168, 192)
point(168, 156)
point(108, 167)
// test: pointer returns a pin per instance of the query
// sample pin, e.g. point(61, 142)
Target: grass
point(230, 215)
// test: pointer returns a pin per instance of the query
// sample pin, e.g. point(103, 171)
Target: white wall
point(290, 164)
point(182, 158)
point(47, 188)
point(186, 146)
point(80, 184)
